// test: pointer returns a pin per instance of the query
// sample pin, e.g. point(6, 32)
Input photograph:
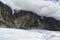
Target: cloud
point(40, 7)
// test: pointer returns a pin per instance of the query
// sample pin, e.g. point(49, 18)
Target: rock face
point(5, 18)
point(21, 19)
point(51, 23)
point(26, 19)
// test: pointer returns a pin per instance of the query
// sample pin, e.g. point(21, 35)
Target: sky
point(48, 8)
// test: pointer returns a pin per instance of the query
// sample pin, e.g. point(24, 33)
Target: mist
point(48, 8)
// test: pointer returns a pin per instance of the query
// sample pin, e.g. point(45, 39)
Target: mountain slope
point(5, 17)
point(26, 19)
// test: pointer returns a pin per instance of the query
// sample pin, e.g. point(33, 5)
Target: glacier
point(20, 34)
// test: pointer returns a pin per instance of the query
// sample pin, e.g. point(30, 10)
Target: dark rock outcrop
point(52, 23)
point(27, 19)
point(5, 16)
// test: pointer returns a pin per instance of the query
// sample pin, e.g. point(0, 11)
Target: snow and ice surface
point(19, 34)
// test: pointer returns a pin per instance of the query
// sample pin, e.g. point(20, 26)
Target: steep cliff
point(5, 18)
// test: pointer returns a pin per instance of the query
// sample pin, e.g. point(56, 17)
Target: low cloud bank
point(40, 7)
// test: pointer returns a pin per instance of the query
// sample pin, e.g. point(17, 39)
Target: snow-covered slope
point(19, 34)
point(15, 34)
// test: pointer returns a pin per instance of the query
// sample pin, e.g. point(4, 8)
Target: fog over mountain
point(40, 7)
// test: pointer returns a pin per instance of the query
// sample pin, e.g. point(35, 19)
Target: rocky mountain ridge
point(26, 19)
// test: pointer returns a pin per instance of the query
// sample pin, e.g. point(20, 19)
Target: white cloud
point(40, 7)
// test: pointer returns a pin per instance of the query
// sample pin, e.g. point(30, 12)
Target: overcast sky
point(48, 8)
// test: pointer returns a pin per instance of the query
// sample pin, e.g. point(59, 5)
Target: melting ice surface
point(19, 34)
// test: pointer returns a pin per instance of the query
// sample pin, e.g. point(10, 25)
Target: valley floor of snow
point(35, 34)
